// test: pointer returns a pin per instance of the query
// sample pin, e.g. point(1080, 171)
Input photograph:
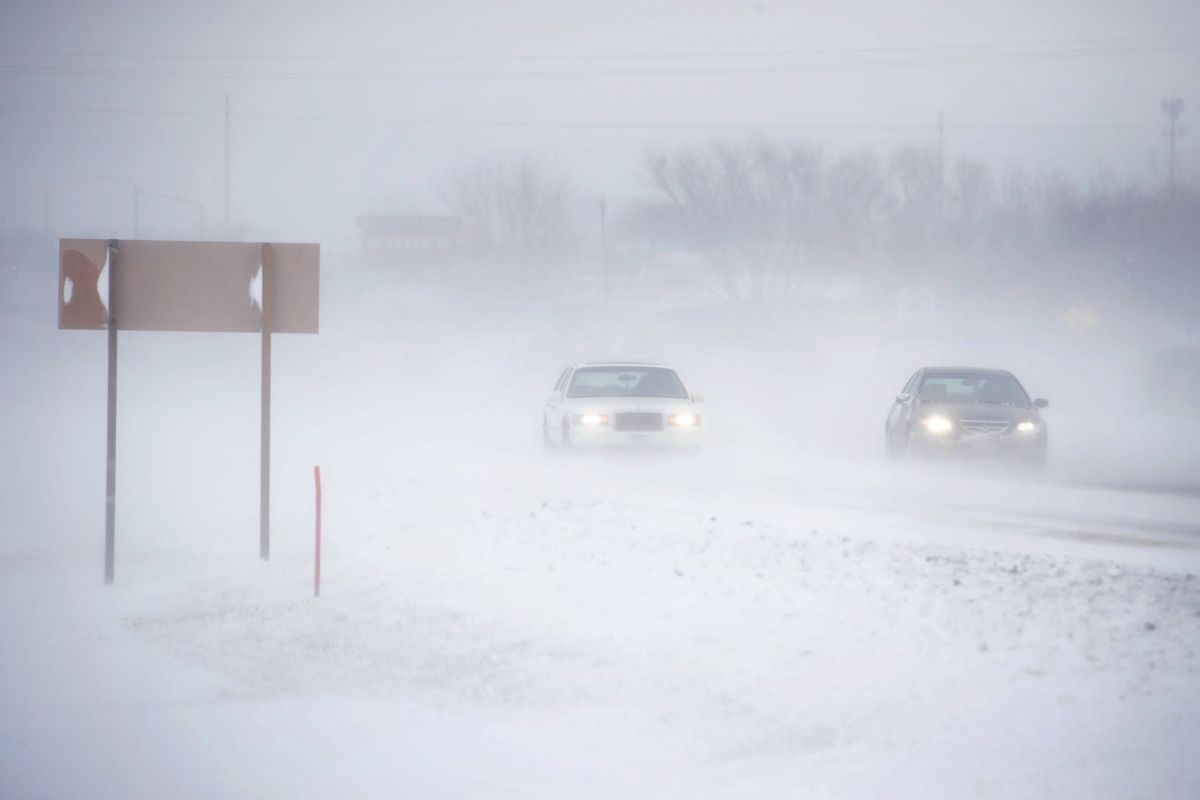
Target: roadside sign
point(188, 286)
point(249, 287)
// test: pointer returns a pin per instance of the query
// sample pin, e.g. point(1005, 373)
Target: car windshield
point(626, 382)
point(996, 388)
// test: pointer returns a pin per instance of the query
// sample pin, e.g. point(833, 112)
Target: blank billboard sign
point(188, 286)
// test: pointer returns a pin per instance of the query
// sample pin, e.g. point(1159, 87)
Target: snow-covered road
point(761, 621)
point(599, 627)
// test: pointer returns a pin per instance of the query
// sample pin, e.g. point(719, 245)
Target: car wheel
point(546, 441)
point(566, 433)
point(910, 450)
point(895, 449)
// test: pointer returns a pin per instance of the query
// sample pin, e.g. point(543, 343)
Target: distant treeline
point(761, 213)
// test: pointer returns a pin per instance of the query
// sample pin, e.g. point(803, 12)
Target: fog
point(796, 206)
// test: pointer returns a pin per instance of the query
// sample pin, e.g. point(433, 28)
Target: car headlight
point(684, 420)
point(1027, 426)
point(590, 419)
point(937, 424)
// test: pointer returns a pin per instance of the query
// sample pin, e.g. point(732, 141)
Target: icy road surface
point(761, 621)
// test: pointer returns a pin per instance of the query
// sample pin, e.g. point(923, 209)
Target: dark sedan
point(964, 411)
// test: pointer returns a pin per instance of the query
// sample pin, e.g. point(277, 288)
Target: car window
point(995, 388)
point(631, 381)
point(911, 386)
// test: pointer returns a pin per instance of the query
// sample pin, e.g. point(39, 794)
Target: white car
point(620, 404)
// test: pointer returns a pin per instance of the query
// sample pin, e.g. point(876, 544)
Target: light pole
point(1172, 107)
point(225, 230)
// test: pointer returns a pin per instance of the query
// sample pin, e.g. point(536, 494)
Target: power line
point(686, 126)
point(98, 110)
point(477, 123)
point(641, 72)
point(647, 56)
point(632, 126)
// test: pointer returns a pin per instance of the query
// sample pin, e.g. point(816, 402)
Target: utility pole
point(604, 248)
point(1172, 107)
point(942, 148)
point(227, 167)
point(942, 168)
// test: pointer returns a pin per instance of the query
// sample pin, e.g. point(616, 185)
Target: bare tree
point(749, 207)
point(972, 190)
point(1059, 206)
point(915, 183)
point(518, 208)
point(854, 190)
point(1013, 221)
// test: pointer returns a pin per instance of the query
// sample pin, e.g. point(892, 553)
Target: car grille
point(637, 421)
point(983, 425)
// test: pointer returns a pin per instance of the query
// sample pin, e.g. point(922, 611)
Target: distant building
point(413, 241)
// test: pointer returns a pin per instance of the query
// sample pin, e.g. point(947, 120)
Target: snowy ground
point(762, 621)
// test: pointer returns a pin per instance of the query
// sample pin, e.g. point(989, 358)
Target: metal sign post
point(188, 286)
point(264, 477)
point(110, 517)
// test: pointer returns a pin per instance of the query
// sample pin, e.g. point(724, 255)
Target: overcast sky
point(351, 107)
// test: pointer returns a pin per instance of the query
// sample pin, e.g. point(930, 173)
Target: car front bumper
point(1014, 445)
point(603, 436)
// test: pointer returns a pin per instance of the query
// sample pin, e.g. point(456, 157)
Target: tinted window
point(626, 382)
point(973, 387)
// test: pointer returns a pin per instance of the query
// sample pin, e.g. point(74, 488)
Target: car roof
point(979, 370)
point(620, 364)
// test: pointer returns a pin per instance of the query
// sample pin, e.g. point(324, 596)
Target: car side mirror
point(1041, 403)
point(902, 397)
point(697, 398)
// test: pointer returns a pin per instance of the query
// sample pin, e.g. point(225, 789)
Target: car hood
point(979, 411)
